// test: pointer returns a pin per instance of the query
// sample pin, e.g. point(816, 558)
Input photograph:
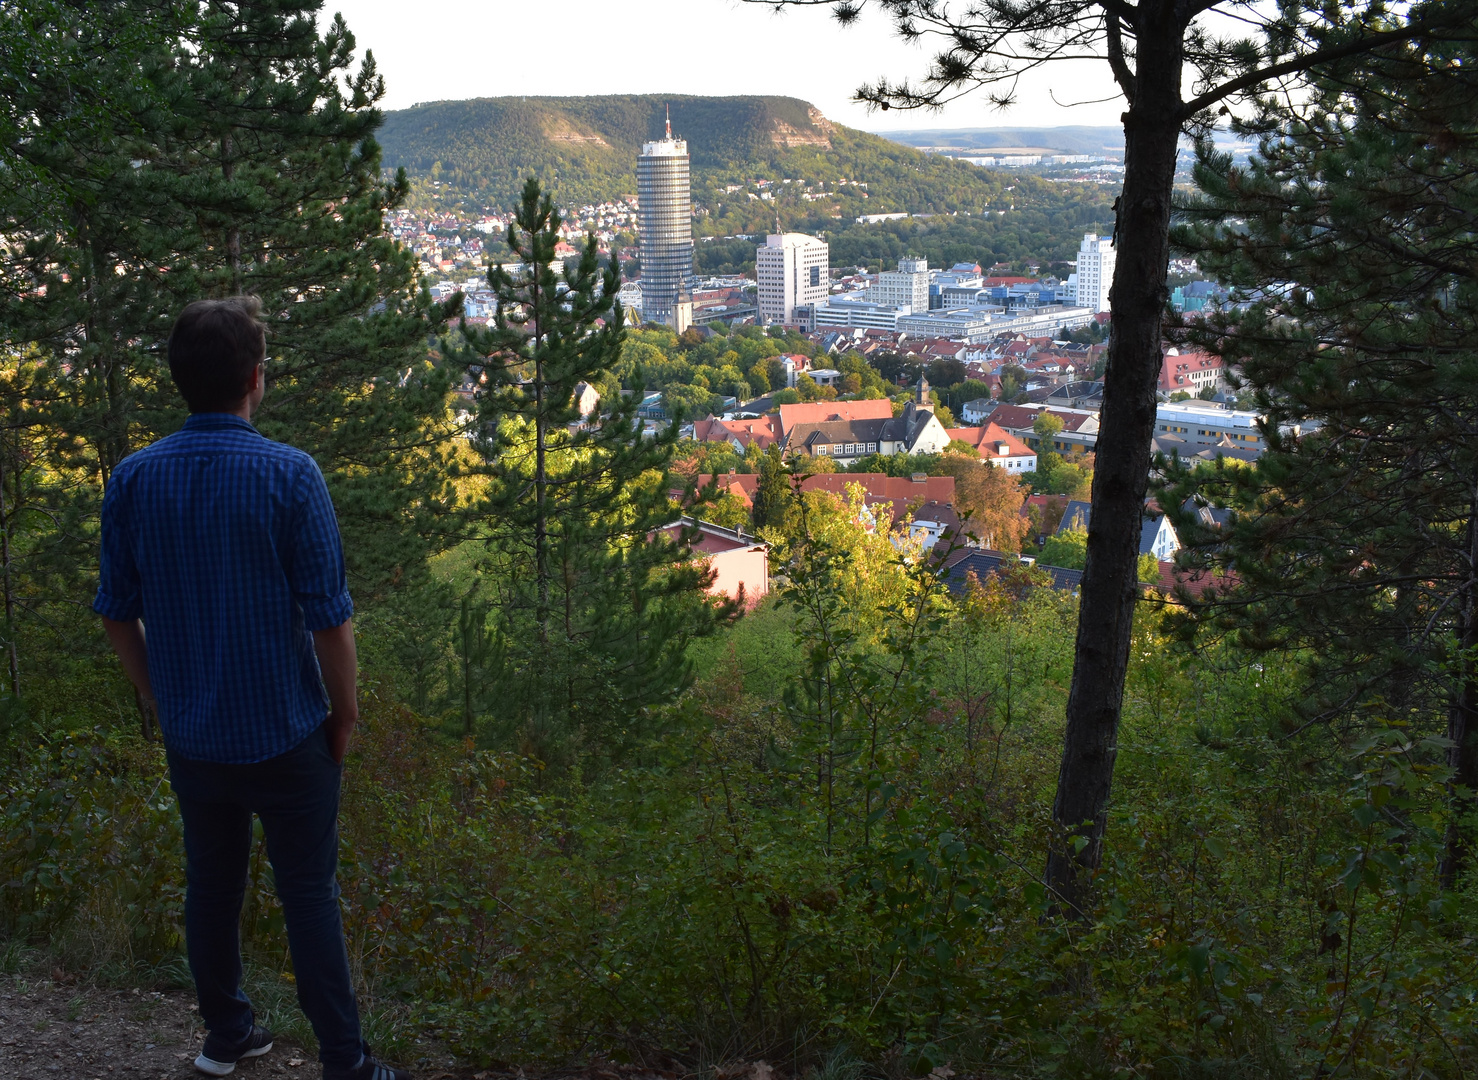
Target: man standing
point(225, 545)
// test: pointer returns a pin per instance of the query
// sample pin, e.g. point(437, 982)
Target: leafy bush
point(833, 847)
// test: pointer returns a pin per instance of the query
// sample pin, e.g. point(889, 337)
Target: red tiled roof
point(1176, 367)
point(819, 412)
point(1191, 582)
point(985, 440)
point(878, 488)
point(1021, 417)
point(761, 432)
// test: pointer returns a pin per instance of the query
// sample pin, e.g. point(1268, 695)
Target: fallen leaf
point(293, 1063)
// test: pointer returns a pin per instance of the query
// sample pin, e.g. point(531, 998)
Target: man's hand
point(338, 730)
point(337, 662)
point(127, 639)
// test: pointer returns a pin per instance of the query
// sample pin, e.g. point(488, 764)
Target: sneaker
point(368, 1069)
point(219, 1057)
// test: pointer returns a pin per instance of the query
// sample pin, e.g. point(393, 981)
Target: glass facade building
point(665, 216)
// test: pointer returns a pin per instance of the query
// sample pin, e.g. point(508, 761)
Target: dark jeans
point(297, 797)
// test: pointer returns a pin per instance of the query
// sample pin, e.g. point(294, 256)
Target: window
point(872, 448)
point(815, 276)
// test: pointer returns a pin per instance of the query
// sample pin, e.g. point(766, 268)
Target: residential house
point(740, 434)
point(918, 497)
point(1087, 396)
point(939, 349)
point(833, 341)
point(1054, 370)
point(981, 563)
point(1156, 534)
point(997, 446)
point(1191, 372)
point(978, 410)
point(587, 400)
point(740, 562)
point(916, 431)
point(1079, 427)
point(795, 364)
point(1016, 351)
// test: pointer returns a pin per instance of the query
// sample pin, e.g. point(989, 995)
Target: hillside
point(585, 148)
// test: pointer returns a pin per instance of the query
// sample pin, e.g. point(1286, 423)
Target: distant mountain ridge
point(585, 150)
point(1071, 139)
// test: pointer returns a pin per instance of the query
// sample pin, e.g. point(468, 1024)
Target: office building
point(1095, 272)
point(793, 270)
point(665, 217)
point(963, 324)
point(908, 286)
point(977, 325)
point(845, 311)
point(1203, 424)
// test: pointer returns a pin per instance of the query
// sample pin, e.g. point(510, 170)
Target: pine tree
point(179, 150)
point(595, 603)
point(774, 498)
point(1355, 540)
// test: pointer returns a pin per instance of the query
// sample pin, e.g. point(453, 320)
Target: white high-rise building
point(793, 270)
point(665, 220)
point(908, 286)
point(1095, 272)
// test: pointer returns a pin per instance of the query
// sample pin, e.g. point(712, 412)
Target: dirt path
point(54, 1031)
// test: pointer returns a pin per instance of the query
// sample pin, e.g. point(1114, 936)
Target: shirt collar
point(217, 420)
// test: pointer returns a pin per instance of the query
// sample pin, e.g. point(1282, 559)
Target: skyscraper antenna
point(778, 231)
point(669, 121)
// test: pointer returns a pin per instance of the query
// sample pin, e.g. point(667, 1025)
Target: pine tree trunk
point(541, 489)
point(11, 653)
point(233, 232)
point(1110, 577)
point(1462, 714)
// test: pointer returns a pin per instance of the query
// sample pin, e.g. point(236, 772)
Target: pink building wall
point(746, 566)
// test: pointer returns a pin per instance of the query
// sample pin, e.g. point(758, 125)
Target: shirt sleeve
point(120, 592)
point(317, 570)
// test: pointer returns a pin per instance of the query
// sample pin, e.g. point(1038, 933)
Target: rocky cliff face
point(558, 129)
point(787, 135)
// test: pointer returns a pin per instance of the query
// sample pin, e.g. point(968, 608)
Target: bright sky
point(454, 49)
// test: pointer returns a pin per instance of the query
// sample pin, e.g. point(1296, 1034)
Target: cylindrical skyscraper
point(665, 213)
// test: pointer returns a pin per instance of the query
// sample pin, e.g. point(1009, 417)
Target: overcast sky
point(453, 49)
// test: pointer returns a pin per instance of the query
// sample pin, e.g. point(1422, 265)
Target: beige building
point(793, 270)
point(906, 287)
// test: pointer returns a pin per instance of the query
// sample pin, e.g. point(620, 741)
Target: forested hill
point(585, 150)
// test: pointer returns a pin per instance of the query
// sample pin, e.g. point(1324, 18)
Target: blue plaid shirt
point(226, 545)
